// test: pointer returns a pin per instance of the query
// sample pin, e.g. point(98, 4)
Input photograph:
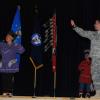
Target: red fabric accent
point(54, 43)
point(85, 72)
point(54, 63)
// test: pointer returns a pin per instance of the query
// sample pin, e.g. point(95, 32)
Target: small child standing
point(85, 75)
point(8, 62)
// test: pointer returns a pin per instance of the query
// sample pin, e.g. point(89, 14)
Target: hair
point(87, 51)
point(11, 33)
point(90, 58)
point(97, 19)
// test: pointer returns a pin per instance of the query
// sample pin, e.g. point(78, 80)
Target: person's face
point(97, 25)
point(86, 56)
point(9, 38)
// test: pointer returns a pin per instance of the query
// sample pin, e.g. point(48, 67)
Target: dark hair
point(90, 58)
point(11, 33)
point(97, 18)
point(86, 53)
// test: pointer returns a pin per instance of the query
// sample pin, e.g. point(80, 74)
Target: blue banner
point(16, 28)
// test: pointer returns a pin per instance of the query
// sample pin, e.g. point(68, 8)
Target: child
point(85, 75)
point(8, 63)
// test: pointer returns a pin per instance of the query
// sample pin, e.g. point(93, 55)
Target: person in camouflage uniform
point(94, 36)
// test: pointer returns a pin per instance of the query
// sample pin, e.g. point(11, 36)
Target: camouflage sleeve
point(88, 34)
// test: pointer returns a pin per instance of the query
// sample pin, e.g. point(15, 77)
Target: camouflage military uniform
point(94, 36)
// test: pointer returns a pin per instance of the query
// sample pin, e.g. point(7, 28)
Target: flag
point(16, 28)
point(50, 39)
point(54, 31)
point(48, 35)
point(36, 41)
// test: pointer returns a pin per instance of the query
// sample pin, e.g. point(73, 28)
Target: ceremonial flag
point(16, 28)
point(50, 44)
point(36, 41)
point(54, 31)
point(50, 39)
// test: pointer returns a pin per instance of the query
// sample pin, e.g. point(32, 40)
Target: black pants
point(7, 82)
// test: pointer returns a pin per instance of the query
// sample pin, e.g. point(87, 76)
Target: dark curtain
point(70, 45)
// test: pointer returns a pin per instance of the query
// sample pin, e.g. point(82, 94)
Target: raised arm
point(83, 33)
point(19, 48)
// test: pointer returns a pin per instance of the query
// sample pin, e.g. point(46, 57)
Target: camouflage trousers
point(95, 71)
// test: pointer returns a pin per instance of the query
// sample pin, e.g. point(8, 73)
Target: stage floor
point(43, 98)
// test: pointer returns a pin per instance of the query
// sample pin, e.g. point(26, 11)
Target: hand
point(19, 7)
point(73, 23)
point(54, 51)
point(18, 33)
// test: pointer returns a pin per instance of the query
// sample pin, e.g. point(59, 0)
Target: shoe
point(34, 96)
point(87, 95)
point(5, 94)
point(80, 95)
point(10, 94)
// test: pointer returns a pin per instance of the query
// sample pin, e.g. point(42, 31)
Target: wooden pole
point(55, 84)
point(35, 74)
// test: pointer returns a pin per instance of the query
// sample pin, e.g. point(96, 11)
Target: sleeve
point(19, 48)
point(81, 66)
point(87, 34)
point(1, 45)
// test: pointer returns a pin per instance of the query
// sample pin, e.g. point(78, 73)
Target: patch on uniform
point(36, 39)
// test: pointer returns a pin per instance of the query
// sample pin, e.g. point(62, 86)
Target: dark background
point(70, 46)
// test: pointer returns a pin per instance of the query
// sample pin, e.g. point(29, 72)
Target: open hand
point(72, 23)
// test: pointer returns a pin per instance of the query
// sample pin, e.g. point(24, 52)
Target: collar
point(98, 32)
